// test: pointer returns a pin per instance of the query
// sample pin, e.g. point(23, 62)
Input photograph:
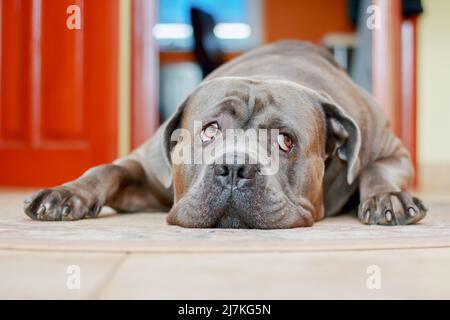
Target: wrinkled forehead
point(264, 102)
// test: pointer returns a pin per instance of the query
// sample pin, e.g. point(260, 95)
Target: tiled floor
point(140, 256)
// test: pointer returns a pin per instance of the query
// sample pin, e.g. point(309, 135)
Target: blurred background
point(83, 82)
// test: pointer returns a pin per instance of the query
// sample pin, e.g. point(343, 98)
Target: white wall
point(434, 82)
point(434, 96)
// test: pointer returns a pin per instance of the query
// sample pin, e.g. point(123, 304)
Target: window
point(238, 23)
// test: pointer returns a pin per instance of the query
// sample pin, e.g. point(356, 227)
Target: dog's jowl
point(279, 137)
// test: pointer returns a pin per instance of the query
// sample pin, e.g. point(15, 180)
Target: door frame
point(394, 74)
point(144, 72)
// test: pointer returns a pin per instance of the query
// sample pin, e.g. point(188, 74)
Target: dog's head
point(272, 178)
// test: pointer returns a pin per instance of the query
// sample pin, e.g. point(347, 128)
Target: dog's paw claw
point(388, 215)
point(392, 208)
point(66, 211)
point(412, 212)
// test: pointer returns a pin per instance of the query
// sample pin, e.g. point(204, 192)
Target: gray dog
point(334, 145)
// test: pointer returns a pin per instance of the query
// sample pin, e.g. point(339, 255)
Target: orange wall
point(304, 19)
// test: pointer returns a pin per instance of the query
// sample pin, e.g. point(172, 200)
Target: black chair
point(207, 48)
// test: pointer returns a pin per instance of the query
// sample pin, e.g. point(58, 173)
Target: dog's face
point(233, 188)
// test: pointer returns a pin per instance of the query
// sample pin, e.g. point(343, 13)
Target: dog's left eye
point(285, 142)
point(210, 132)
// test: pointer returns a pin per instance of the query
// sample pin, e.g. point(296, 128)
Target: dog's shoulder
point(301, 48)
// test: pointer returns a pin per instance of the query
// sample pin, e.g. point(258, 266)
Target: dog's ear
point(162, 156)
point(343, 137)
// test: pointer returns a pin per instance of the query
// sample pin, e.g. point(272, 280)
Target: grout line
point(222, 251)
point(97, 292)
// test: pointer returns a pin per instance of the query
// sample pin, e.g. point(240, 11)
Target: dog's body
point(339, 143)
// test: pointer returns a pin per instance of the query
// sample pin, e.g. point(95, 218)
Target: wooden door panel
point(62, 78)
point(13, 111)
point(58, 105)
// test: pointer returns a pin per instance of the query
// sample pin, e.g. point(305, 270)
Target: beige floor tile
point(409, 274)
point(45, 275)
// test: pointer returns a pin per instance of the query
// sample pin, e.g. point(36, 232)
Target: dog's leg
point(120, 186)
point(383, 185)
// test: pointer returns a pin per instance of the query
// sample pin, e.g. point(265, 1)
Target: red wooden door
point(58, 90)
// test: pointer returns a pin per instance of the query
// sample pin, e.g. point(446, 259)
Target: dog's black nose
point(235, 173)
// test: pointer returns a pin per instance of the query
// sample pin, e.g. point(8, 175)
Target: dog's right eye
point(285, 142)
point(209, 132)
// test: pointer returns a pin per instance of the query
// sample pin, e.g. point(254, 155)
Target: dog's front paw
point(392, 208)
point(61, 203)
